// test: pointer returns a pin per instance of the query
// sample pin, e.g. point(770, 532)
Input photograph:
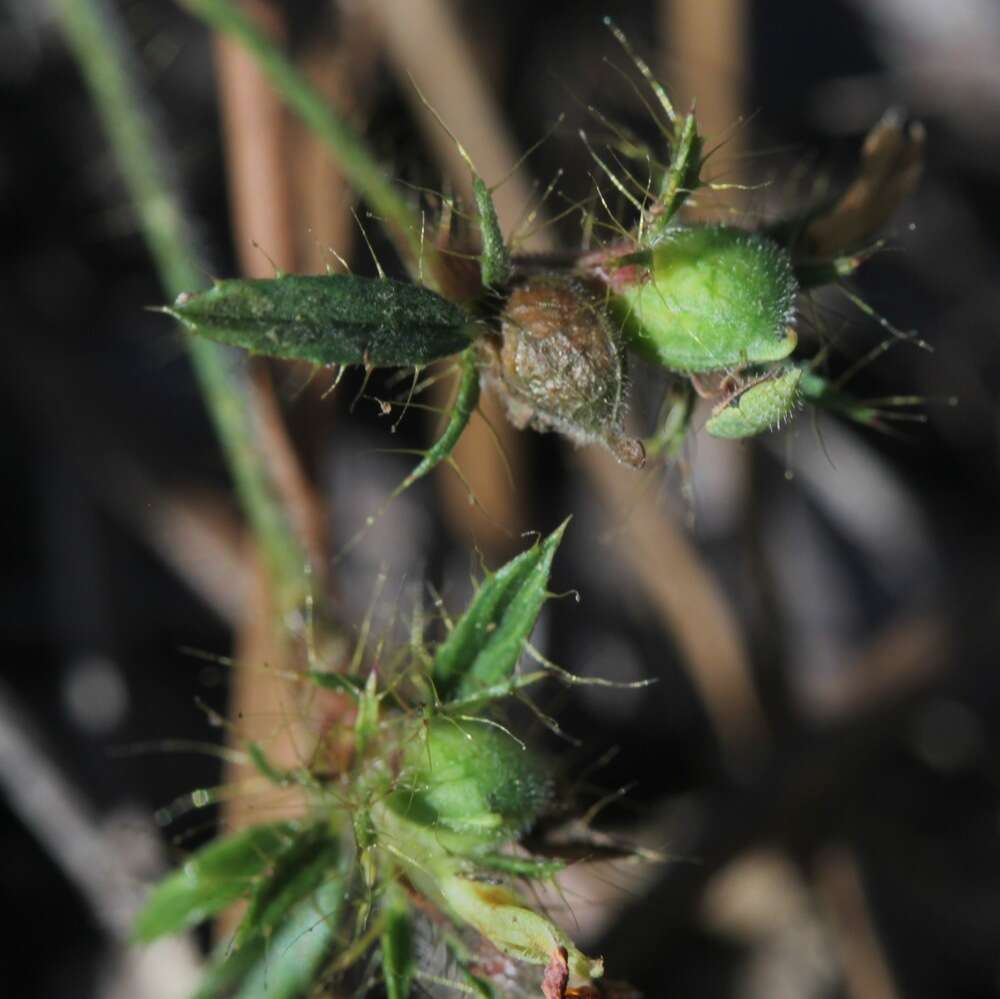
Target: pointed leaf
point(300, 951)
point(211, 879)
point(511, 926)
point(397, 949)
point(299, 870)
point(331, 319)
point(287, 965)
point(229, 967)
point(260, 759)
point(366, 722)
point(485, 644)
point(349, 685)
point(530, 868)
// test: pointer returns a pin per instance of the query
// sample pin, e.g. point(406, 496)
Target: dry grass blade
point(695, 612)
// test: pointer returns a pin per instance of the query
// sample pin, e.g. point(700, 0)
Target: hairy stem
point(94, 35)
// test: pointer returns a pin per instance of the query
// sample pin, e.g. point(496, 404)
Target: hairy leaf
point(211, 879)
point(486, 642)
point(300, 869)
point(290, 963)
point(521, 867)
point(397, 950)
point(328, 319)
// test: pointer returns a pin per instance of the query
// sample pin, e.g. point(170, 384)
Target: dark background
point(865, 582)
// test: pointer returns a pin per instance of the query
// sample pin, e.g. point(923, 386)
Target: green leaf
point(211, 879)
point(508, 923)
point(291, 962)
point(494, 263)
point(260, 759)
point(229, 967)
point(521, 867)
point(366, 722)
point(331, 319)
point(486, 642)
point(466, 400)
point(301, 949)
point(397, 949)
point(349, 685)
point(300, 869)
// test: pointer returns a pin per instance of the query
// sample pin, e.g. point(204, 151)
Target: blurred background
point(821, 607)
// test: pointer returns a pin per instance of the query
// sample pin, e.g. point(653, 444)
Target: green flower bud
point(758, 405)
point(707, 298)
point(473, 779)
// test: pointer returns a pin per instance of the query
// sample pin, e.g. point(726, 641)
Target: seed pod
point(328, 319)
point(560, 366)
point(758, 405)
point(708, 298)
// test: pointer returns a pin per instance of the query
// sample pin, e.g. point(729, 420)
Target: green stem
point(93, 33)
point(362, 170)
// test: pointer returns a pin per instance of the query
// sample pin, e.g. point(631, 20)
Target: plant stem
point(360, 167)
point(94, 35)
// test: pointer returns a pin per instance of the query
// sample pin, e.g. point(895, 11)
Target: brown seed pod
point(559, 365)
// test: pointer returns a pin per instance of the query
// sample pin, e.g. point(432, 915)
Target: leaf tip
point(552, 542)
point(166, 310)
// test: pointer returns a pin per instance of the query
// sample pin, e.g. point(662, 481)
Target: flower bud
point(707, 298)
point(758, 405)
point(471, 778)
